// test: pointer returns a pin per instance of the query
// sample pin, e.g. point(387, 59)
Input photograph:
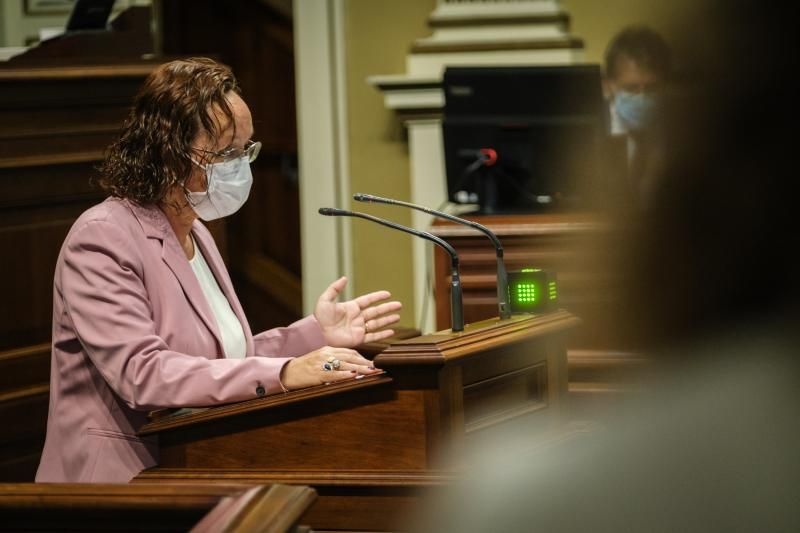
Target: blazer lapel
point(155, 225)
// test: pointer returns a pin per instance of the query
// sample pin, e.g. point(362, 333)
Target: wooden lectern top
point(193, 416)
point(446, 346)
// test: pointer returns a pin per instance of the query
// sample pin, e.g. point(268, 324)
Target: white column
point(321, 132)
point(428, 188)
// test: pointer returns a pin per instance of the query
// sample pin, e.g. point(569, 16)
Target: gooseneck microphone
point(504, 309)
point(456, 298)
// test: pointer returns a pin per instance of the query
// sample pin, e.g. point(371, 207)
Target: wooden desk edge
point(205, 414)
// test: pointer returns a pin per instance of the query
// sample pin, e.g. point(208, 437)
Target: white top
point(233, 341)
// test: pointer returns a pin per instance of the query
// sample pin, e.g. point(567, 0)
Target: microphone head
point(491, 156)
point(361, 197)
point(328, 211)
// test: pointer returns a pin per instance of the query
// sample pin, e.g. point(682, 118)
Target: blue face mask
point(636, 111)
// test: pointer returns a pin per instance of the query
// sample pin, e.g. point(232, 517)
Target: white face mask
point(229, 185)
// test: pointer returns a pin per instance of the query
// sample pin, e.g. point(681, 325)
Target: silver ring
point(336, 364)
point(327, 367)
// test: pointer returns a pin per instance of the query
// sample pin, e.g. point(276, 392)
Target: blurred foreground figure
point(714, 443)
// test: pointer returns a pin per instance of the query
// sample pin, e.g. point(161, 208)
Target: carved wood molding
point(21, 353)
point(24, 372)
point(503, 20)
point(52, 159)
point(372, 349)
point(26, 393)
point(317, 478)
point(431, 47)
point(165, 422)
point(524, 225)
point(222, 506)
point(94, 496)
point(264, 508)
point(442, 347)
point(52, 72)
point(607, 371)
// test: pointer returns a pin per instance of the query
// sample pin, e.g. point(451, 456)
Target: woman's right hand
point(310, 369)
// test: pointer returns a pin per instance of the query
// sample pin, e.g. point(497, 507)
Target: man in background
point(637, 65)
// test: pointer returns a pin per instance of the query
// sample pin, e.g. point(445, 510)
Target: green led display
point(532, 290)
point(552, 292)
point(526, 292)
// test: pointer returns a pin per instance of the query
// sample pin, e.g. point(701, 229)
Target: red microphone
point(483, 156)
point(491, 156)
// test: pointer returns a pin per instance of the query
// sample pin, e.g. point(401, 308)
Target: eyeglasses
point(250, 151)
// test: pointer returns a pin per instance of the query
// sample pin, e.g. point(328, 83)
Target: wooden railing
point(198, 508)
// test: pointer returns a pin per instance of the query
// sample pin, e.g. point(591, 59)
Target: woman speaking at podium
point(144, 312)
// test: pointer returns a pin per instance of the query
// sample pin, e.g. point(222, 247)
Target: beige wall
point(3, 22)
point(18, 27)
point(378, 34)
point(596, 22)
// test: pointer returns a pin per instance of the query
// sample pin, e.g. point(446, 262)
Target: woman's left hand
point(350, 323)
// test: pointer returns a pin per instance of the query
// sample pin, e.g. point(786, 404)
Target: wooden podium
point(372, 447)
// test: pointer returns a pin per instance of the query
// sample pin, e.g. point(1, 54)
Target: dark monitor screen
point(544, 124)
point(89, 15)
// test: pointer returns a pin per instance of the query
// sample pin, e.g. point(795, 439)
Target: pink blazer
point(132, 332)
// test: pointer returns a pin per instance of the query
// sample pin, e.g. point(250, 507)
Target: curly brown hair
point(153, 152)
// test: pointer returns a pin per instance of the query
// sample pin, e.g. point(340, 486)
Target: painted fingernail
point(354, 372)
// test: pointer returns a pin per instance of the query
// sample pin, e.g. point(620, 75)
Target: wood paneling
point(264, 236)
point(24, 393)
point(55, 123)
point(54, 126)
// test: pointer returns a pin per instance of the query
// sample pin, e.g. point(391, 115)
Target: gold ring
point(331, 359)
point(366, 327)
point(336, 364)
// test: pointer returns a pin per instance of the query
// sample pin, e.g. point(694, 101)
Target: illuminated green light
point(532, 290)
point(526, 293)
